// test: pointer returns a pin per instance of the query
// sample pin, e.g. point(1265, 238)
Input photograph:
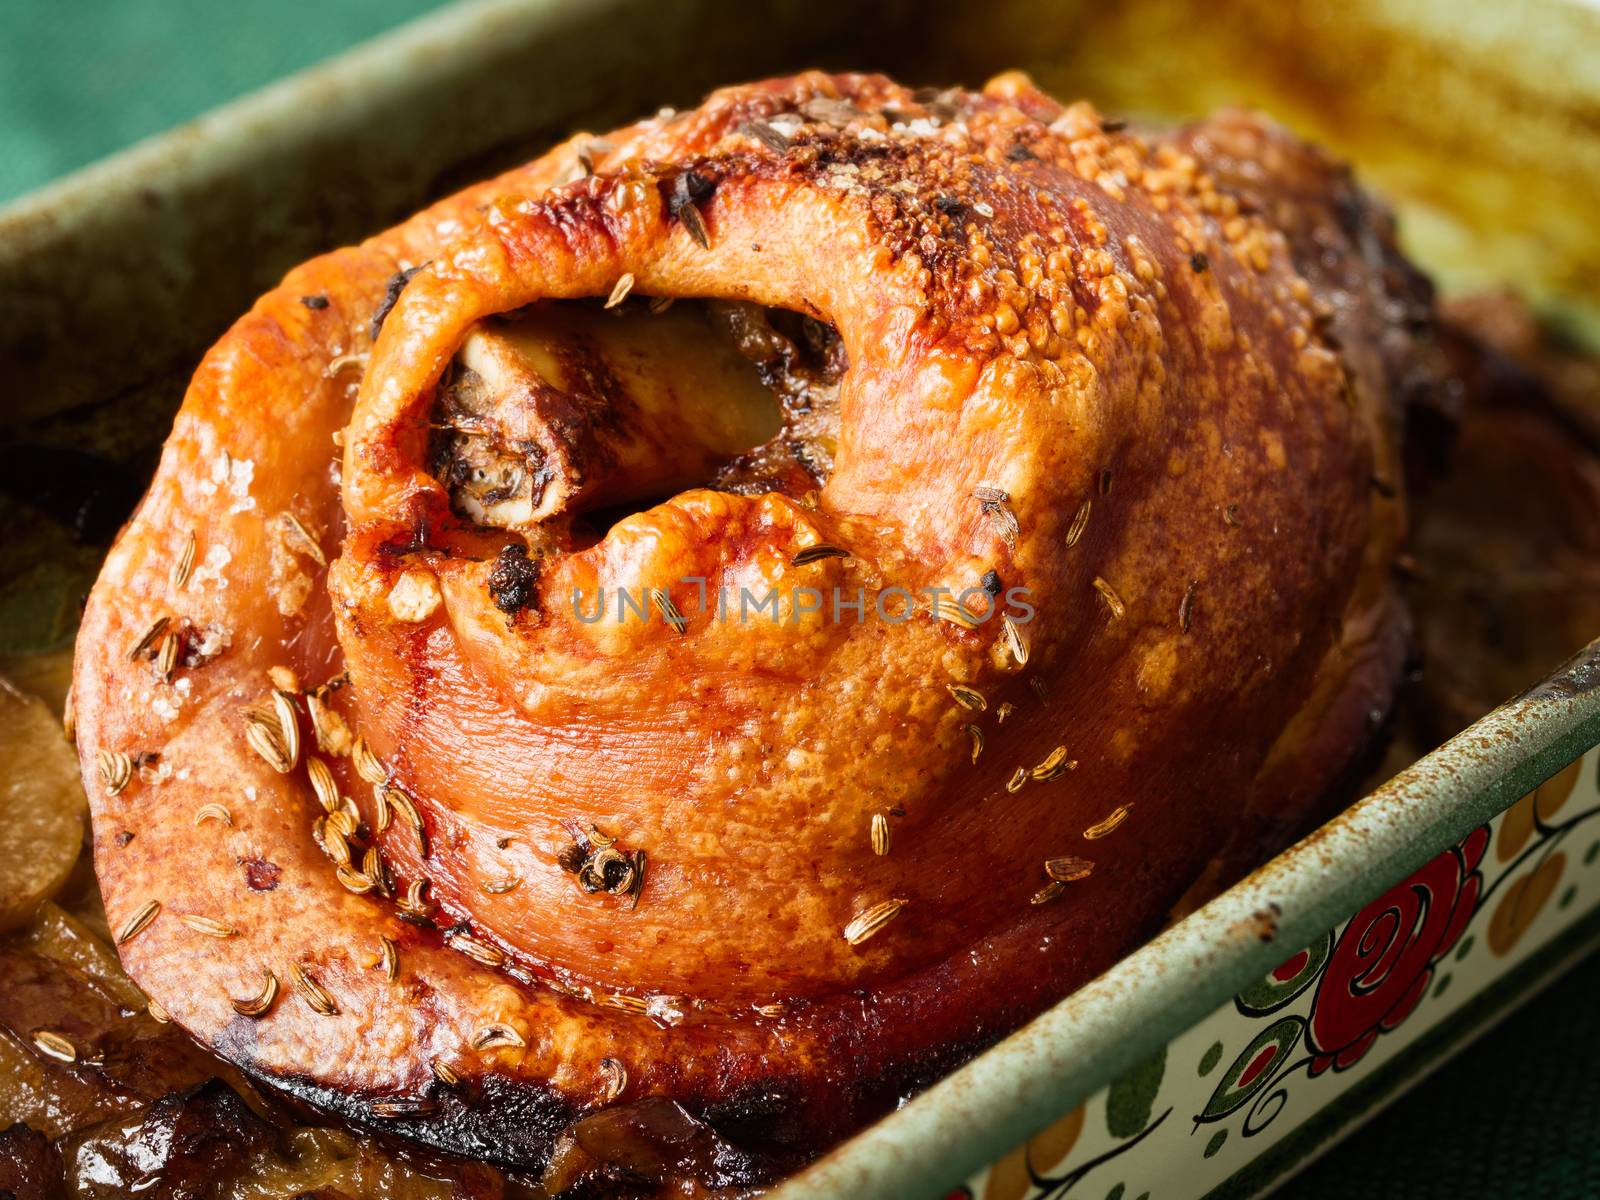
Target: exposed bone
point(566, 408)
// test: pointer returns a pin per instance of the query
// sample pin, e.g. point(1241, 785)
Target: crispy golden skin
point(1043, 317)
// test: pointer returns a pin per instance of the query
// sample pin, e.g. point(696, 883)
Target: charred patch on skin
point(391, 297)
point(513, 579)
point(489, 1119)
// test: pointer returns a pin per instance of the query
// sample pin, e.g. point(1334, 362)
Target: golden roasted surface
point(1152, 381)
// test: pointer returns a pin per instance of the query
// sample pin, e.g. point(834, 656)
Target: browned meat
point(489, 866)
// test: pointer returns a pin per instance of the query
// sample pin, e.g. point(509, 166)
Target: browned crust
point(1020, 297)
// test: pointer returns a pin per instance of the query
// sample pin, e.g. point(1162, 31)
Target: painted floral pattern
point(1293, 1044)
point(1384, 960)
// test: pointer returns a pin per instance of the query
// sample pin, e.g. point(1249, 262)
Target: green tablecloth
point(80, 79)
point(1517, 1115)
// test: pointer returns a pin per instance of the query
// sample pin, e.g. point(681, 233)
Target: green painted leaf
point(1278, 987)
point(1130, 1099)
point(1256, 1064)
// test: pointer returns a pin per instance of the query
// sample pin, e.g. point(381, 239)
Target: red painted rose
point(1383, 962)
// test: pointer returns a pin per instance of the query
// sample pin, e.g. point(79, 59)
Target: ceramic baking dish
point(1227, 1051)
